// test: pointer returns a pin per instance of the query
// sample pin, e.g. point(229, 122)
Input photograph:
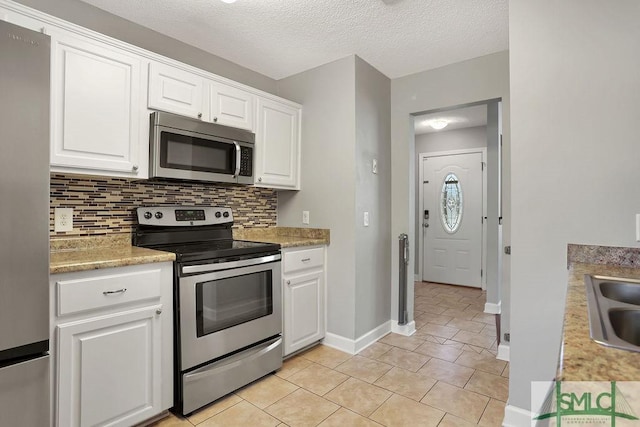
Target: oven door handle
point(237, 172)
point(187, 269)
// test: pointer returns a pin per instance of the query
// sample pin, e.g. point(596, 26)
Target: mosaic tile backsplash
point(107, 205)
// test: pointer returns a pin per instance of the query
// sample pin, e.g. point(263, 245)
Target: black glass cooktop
point(214, 249)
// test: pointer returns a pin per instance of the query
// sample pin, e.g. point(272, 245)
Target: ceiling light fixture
point(438, 124)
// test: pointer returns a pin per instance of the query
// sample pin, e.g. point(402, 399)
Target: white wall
point(462, 83)
point(328, 177)
point(91, 17)
point(345, 126)
point(456, 139)
point(373, 195)
point(575, 110)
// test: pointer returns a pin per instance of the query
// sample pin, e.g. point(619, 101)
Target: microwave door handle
point(237, 172)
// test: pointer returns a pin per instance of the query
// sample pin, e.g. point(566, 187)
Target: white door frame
point(423, 156)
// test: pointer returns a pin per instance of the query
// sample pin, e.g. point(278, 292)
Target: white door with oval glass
point(452, 219)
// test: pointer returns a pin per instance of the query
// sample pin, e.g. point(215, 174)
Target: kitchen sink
point(614, 311)
point(626, 325)
point(621, 291)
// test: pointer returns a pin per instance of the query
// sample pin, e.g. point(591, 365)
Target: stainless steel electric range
point(227, 301)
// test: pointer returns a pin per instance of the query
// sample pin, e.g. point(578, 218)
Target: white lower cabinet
point(109, 369)
point(304, 295)
point(112, 358)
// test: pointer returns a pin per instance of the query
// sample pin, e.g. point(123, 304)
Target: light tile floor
point(445, 375)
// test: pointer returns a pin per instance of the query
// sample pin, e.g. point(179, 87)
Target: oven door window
point(196, 154)
point(228, 302)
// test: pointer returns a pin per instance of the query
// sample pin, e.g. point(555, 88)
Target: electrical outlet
point(63, 219)
point(366, 219)
point(374, 166)
point(305, 217)
point(637, 227)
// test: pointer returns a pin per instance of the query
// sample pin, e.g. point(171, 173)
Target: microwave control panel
point(246, 161)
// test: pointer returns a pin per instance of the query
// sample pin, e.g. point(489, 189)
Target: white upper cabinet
point(277, 156)
point(231, 106)
point(175, 91)
point(102, 91)
point(98, 125)
point(178, 91)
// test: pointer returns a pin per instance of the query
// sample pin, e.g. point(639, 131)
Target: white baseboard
point(373, 335)
point(339, 342)
point(355, 346)
point(503, 352)
point(492, 308)
point(516, 417)
point(408, 329)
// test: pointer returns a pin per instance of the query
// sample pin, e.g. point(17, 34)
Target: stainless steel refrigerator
point(24, 227)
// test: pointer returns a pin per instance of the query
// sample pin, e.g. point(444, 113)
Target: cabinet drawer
point(303, 259)
point(106, 291)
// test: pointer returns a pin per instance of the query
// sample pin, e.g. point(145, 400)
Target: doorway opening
point(458, 242)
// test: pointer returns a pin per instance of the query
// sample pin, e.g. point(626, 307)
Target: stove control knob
point(218, 214)
point(148, 215)
point(158, 215)
point(226, 214)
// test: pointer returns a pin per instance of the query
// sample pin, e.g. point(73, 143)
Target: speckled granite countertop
point(90, 253)
point(582, 359)
point(71, 254)
point(287, 237)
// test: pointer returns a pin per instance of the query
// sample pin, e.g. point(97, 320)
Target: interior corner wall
point(96, 19)
point(373, 195)
point(574, 139)
point(455, 139)
point(328, 178)
point(478, 79)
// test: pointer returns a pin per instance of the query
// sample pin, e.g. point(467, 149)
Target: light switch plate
point(637, 227)
point(374, 166)
point(366, 219)
point(63, 219)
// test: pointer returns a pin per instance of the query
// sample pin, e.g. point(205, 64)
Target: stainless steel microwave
point(190, 149)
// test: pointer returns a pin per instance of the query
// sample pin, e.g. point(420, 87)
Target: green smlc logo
point(610, 404)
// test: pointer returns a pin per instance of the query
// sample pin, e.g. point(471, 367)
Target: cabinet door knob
point(288, 282)
point(260, 179)
point(135, 168)
point(199, 115)
point(215, 119)
point(159, 311)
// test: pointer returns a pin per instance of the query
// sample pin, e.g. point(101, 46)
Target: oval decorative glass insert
point(451, 203)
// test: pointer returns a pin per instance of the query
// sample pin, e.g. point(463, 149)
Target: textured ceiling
point(460, 118)
point(279, 38)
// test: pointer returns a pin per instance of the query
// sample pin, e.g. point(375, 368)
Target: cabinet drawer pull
point(119, 291)
point(305, 259)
